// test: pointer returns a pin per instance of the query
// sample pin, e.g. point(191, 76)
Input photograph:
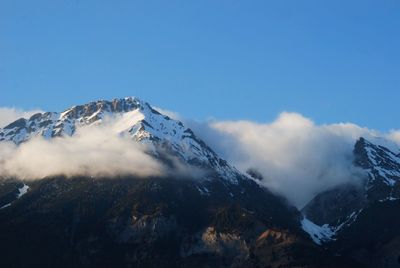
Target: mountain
point(361, 220)
point(222, 219)
point(130, 117)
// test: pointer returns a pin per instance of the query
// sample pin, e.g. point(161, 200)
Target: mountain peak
point(54, 124)
point(380, 162)
point(103, 106)
point(340, 206)
point(129, 117)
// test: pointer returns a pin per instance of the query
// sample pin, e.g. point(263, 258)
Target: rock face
point(130, 222)
point(364, 217)
point(155, 222)
point(279, 248)
point(333, 207)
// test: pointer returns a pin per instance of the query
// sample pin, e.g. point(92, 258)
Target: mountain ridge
point(130, 117)
point(361, 219)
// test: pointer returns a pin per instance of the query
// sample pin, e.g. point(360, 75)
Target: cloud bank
point(9, 115)
point(296, 157)
point(93, 151)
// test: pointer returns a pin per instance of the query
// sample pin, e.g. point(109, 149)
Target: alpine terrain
point(212, 215)
point(361, 221)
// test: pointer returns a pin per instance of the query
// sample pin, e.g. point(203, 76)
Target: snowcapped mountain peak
point(53, 124)
point(339, 208)
point(128, 117)
point(94, 111)
point(381, 163)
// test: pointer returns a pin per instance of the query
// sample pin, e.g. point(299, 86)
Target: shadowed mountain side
point(154, 222)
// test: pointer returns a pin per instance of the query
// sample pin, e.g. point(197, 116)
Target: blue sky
point(336, 61)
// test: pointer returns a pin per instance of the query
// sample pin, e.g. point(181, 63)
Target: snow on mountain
point(326, 233)
point(339, 208)
point(129, 117)
point(21, 191)
point(382, 165)
point(318, 234)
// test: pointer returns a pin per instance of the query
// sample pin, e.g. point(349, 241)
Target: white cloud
point(169, 113)
point(394, 135)
point(297, 158)
point(9, 115)
point(93, 151)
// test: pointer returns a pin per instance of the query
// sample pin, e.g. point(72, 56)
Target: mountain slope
point(381, 183)
point(363, 218)
point(151, 222)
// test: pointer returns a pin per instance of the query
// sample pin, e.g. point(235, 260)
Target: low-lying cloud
point(93, 151)
point(9, 115)
point(296, 157)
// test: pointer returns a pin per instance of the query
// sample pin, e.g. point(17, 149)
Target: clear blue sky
point(332, 61)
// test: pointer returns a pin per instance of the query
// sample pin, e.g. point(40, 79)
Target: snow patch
point(319, 234)
point(6, 206)
point(23, 190)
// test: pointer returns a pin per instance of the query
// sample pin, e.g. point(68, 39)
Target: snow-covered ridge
point(53, 124)
point(381, 163)
point(128, 117)
point(341, 207)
